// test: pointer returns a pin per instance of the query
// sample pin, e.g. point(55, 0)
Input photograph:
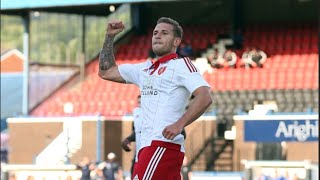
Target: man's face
point(163, 39)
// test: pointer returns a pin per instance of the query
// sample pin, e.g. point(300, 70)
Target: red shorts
point(160, 161)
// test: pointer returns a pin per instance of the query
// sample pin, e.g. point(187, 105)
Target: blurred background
point(59, 119)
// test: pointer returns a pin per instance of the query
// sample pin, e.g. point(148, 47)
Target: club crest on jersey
point(161, 70)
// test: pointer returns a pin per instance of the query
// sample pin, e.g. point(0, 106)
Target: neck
point(165, 56)
point(159, 57)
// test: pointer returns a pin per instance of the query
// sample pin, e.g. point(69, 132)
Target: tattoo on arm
point(106, 58)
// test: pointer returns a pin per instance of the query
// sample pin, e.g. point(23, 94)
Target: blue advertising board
point(281, 130)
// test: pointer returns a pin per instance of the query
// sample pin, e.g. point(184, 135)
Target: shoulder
point(140, 65)
point(185, 65)
point(144, 64)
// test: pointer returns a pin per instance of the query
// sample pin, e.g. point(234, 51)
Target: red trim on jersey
point(185, 61)
point(163, 59)
point(192, 65)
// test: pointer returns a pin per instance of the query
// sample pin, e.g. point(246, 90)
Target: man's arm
point(108, 69)
point(127, 141)
point(132, 137)
point(202, 100)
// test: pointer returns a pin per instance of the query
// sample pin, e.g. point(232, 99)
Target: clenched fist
point(171, 131)
point(114, 27)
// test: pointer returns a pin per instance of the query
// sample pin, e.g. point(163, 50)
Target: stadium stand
point(90, 97)
point(287, 71)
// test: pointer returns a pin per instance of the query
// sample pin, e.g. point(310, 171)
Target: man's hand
point(114, 27)
point(171, 131)
point(125, 145)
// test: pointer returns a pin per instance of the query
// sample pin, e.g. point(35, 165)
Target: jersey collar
point(163, 59)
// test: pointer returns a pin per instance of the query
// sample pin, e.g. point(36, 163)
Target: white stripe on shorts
point(154, 161)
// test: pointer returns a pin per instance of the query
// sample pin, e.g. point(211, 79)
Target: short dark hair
point(177, 29)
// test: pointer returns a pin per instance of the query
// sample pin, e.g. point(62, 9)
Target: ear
point(177, 41)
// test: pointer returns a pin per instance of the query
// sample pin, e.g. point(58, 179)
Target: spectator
point(97, 174)
point(246, 62)
point(215, 59)
point(258, 57)
point(185, 50)
point(180, 52)
point(189, 49)
point(86, 167)
point(230, 58)
point(111, 169)
point(237, 39)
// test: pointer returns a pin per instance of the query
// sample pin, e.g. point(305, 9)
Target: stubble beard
point(161, 52)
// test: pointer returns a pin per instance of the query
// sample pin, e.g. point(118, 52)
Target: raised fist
point(114, 27)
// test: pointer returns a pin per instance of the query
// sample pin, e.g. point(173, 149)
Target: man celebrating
point(165, 86)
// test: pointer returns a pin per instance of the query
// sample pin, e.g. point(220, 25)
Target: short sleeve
point(190, 77)
point(130, 72)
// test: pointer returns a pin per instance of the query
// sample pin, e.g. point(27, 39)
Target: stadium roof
point(89, 7)
point(31, 4)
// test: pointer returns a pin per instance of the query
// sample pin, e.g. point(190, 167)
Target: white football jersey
point(164, 95)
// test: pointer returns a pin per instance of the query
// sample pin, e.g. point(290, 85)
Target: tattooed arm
point(108, 68)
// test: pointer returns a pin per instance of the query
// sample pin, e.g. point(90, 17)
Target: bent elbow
point(209, 101)
point(103, 75)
